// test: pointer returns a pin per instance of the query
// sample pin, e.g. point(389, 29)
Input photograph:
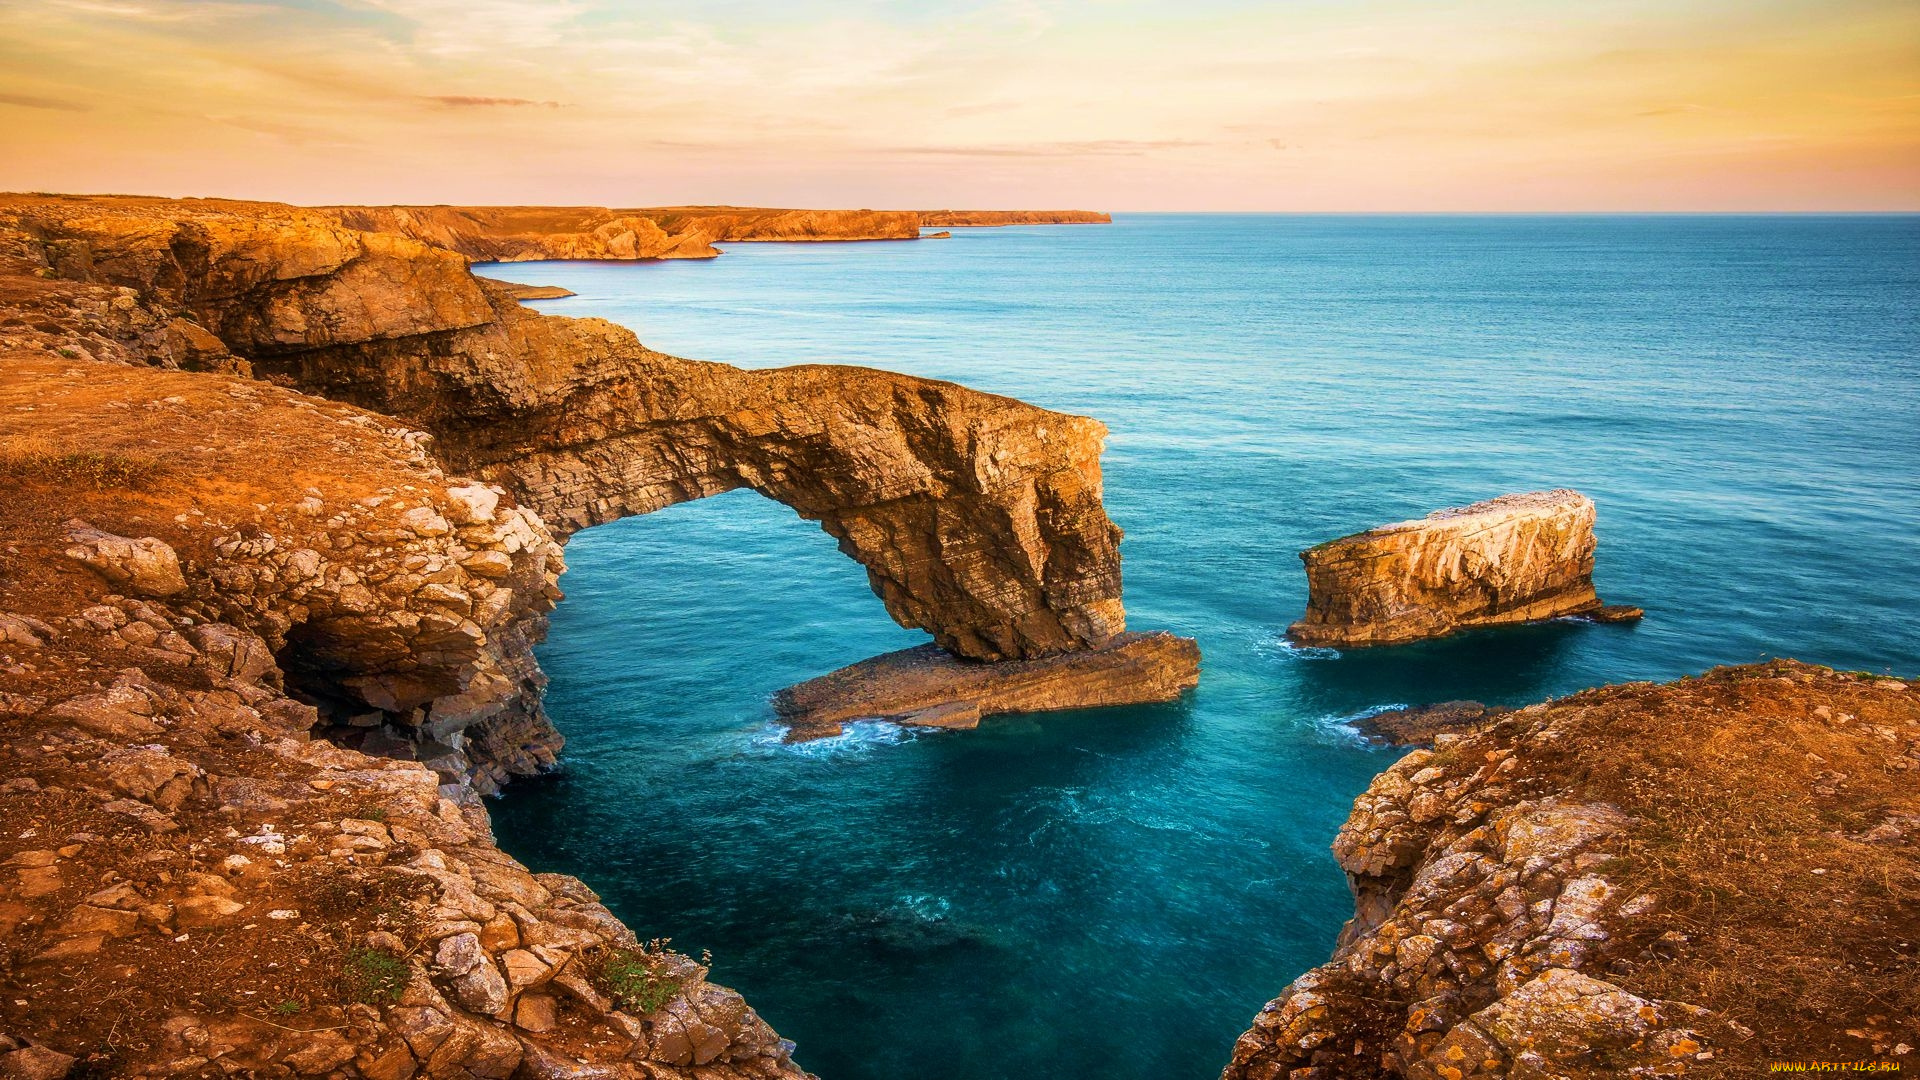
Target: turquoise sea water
point(1112, 894)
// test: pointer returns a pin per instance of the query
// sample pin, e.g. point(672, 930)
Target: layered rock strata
point(1514, 559)
point(928, 687)
point(192, 883)
point(1690, 879)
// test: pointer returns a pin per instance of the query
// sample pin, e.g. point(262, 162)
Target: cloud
point(1085, 148)
point(28, 101)
point(1669, 110)
point(466, 101)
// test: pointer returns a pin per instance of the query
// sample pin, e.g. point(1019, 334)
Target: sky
point(1496, 105)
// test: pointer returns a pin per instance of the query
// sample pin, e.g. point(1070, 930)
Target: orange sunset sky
point(1198, 105)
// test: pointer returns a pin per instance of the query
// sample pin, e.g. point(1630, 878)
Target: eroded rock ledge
point(1641, 880)
point(928, 687)
point(1514, 559)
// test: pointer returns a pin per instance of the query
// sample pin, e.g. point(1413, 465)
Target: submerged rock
point(1514, 559)
point(926, 687)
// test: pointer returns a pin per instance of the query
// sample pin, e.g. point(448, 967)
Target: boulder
point(142, 567)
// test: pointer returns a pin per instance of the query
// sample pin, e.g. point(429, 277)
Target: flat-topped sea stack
point(1515, 559)
point(928, 687)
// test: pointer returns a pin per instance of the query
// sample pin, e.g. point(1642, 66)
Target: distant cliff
point(745, 223)
point(959, 219)
point(525, 233)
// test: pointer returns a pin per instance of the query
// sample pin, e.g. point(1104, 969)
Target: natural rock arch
point(977, 517)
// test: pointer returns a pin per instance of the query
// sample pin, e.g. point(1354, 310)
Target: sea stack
point(1515, 559)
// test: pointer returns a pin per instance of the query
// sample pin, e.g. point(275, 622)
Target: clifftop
point(184, 553)
point(1640, 880)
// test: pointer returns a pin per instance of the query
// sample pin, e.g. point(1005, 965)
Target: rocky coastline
point(264, 648)
point(1642, 880)
point(288, 503)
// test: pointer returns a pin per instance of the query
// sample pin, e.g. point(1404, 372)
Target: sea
point(1114, 893)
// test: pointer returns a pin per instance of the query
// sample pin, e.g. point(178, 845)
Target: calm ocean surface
point(1112, 894)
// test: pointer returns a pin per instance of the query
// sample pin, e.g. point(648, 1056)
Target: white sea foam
point(1341, 726)
point(860, 737)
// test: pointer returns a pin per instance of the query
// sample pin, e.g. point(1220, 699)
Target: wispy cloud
point(1084, 148)
point(1639, 104)
point(30, 101)
point(465, 101)
point(1670, 110)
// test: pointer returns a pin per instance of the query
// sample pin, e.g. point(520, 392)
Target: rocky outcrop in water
point(1691, 879)
point(1514, 559)
point(928, 687)
point(531, 292)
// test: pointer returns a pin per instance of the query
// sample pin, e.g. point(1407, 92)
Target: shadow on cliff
point(1508, 666)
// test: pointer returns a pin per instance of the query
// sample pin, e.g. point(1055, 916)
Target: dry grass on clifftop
point(1777, 826)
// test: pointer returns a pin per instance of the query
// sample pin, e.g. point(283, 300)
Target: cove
point(1113, 893)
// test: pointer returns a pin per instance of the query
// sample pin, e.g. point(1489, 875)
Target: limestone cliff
point(1517, 558)
point(191, 882)
point(746, 223)
point(1690, 879)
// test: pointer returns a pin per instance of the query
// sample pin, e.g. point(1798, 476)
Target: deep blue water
point(1112, 894)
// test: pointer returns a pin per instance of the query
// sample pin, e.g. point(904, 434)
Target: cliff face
point(1691, 879)
point(1517, 558)
point(957, 219)
point(746, 223)
point(186, 553)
